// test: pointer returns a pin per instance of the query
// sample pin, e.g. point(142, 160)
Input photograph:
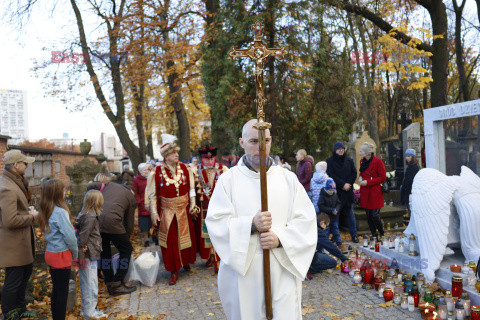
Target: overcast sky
point(48, 117)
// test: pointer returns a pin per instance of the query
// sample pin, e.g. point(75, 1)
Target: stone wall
point(49, 163)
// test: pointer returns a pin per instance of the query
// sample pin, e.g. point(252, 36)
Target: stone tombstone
point(452, 137)
point(80, 175)
point(412, 140)
point(355, 146)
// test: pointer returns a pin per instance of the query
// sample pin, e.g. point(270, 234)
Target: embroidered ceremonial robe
point(204, 190)
point(234, 203)
point(176, 233)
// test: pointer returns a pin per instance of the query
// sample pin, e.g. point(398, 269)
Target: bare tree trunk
point(438, 14)
point(463, 85)
point(371, 101)
point(118, 120)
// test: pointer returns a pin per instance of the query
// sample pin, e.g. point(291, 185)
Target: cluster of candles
point(396, 244)
point(410, 292)
point(467, 274)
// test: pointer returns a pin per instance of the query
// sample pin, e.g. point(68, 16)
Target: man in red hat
point(206, 178)
point(171, 204)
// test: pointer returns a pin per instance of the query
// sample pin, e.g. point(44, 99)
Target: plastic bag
point(146, 266)
point(132, 274)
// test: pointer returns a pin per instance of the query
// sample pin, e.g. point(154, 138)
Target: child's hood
point(320, 177)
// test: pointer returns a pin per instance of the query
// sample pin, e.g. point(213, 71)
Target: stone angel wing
point(467, 200)
point(432, 193)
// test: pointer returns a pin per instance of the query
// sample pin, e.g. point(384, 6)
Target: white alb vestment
point(235, 201)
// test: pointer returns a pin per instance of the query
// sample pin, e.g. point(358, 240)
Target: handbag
point(384, 186)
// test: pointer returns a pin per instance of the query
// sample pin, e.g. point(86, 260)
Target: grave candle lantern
point(426, 309)
point(457, 286)
point(455, 268)
point(387, 294)
point(475, 313)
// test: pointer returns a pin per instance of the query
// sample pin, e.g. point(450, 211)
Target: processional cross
point(258, 52)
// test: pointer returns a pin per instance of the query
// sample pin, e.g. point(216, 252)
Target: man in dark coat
point(116, 226)
point(342, 170)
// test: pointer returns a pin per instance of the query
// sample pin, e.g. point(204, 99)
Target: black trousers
point(13, 292)
point(124, 247)
point(374, 222)
point(60, 280)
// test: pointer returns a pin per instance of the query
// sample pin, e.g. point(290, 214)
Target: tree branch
point(379, 21)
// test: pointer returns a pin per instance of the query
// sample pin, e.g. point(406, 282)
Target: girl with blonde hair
point(54, 221)
point(89, 248)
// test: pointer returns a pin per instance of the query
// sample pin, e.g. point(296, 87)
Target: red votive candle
point(455, 268)
point(457, 286)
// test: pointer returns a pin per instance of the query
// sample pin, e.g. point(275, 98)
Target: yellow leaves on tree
point(405, 61)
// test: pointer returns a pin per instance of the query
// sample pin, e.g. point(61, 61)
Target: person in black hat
point(342, 170)
point(206, 177)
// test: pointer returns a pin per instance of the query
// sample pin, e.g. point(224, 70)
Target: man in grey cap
point(17, 247)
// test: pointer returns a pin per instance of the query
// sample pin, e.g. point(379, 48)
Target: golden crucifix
point(258, 52)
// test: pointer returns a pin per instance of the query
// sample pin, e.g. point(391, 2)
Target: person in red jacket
point(139, 185)
point(372, 176)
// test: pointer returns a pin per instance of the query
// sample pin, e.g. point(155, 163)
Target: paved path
point(327, 296)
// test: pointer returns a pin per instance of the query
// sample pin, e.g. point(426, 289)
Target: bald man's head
point(249, 139)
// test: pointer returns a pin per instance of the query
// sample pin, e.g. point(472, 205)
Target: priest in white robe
point(239, 232)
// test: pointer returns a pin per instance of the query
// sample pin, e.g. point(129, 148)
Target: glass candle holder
point(404, 301)
point(397, 299)
point(475, 313)
point(465, 268)
point(387, 294)
point(449, 301)
point(381, 288)
point(411, 303)
point(428, 296)
point(457, 286)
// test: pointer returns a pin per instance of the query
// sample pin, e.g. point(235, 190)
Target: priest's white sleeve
point(299, 236)
point(229, 233)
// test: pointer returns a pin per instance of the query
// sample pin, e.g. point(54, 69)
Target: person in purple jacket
point(304, 170)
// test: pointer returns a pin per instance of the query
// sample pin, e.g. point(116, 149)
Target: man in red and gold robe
point(206, 177)
point(171, 192)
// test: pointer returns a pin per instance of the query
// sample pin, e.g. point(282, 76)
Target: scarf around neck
point(20, 181)
point(248, 162)
point(366, 163)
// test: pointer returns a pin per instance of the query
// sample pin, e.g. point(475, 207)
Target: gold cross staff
point(258, 52)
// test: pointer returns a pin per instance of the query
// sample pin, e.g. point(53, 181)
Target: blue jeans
point(333, 229)
point(89, 288)
point(352, 222)
point(322, 262)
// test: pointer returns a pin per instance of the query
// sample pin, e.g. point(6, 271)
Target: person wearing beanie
point(342, 170)
point(330, 204)
point(372, 176)
point(318, 182)
point(412, 169)
point(172, 187)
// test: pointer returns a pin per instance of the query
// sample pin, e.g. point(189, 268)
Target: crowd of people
point(181, 209)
